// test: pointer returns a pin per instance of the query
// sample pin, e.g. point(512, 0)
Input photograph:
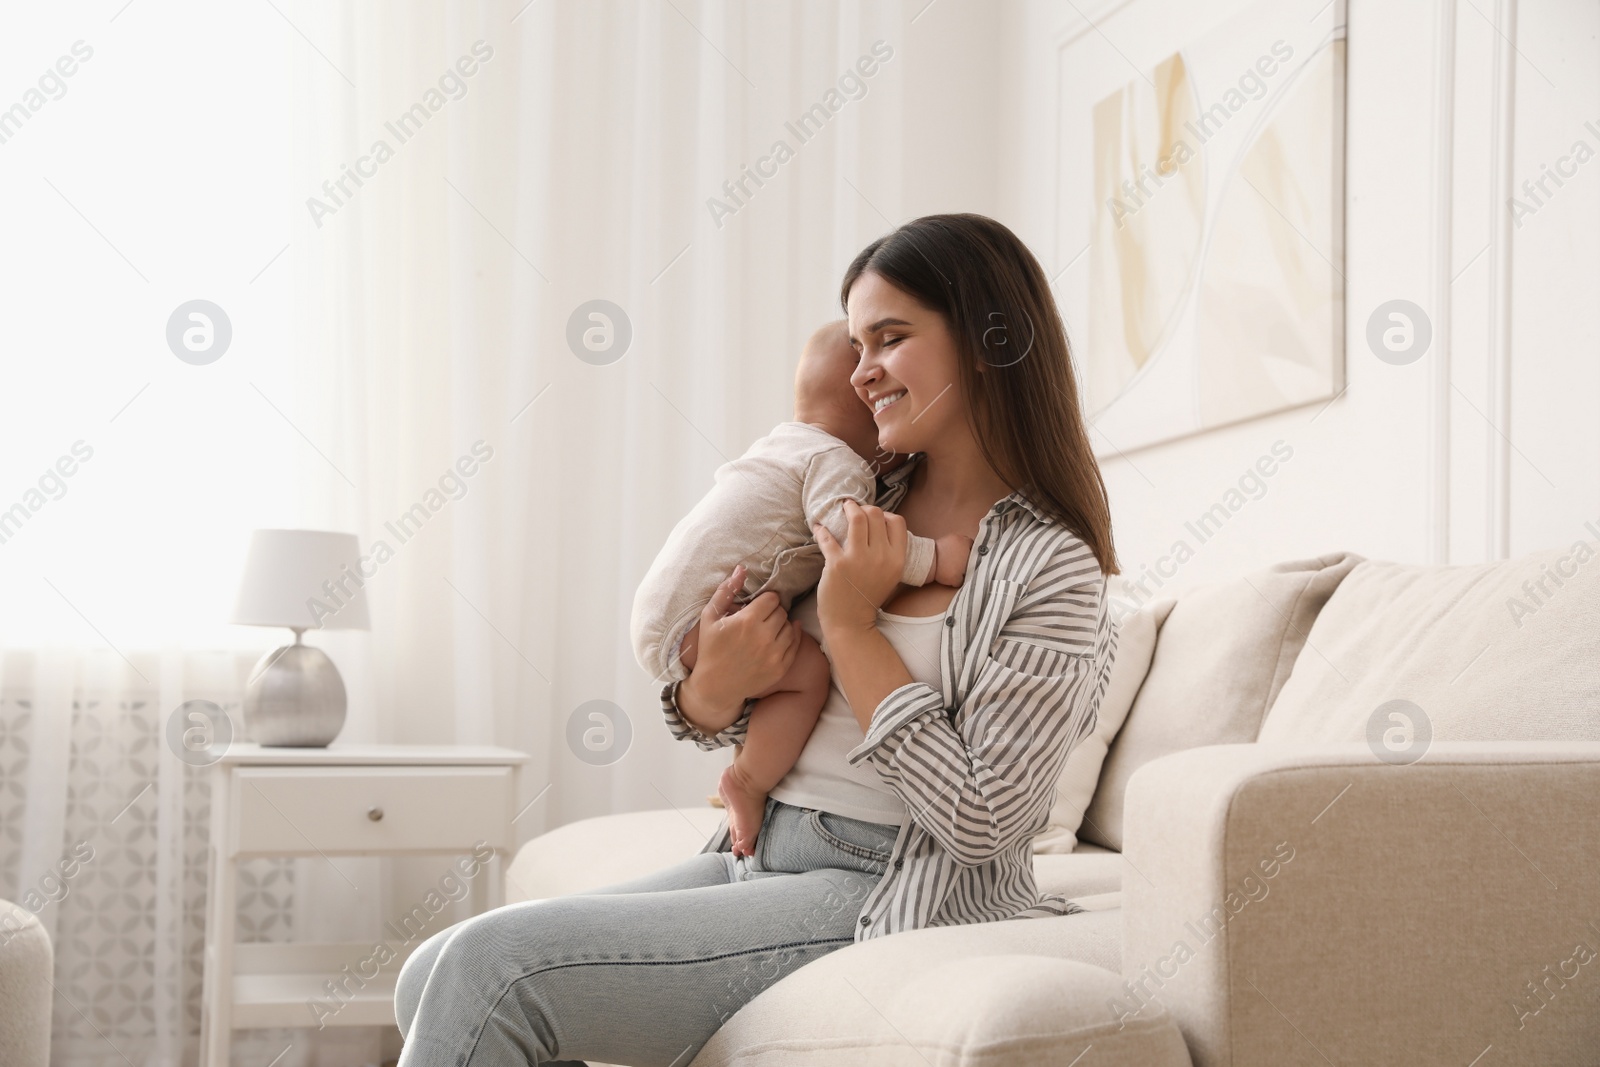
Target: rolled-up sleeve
point(981, 776)
point(684, 730)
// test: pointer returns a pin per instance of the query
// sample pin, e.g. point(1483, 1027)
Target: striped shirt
point(1025, 656)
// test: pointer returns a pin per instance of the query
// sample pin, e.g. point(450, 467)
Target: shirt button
point(950, 620)
point(983, 550)
point(899, 864)
point(865, 921)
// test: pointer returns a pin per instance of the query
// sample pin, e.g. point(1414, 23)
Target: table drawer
point(355, 810)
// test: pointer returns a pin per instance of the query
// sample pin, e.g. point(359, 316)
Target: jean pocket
point(872, 842)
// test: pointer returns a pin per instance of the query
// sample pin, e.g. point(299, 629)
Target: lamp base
point(294, 698)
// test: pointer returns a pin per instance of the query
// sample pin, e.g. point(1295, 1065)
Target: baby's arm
point(831, 479)
point(920, 565)
point(927, 560)
point(950, 558)
point(943, 560)
point(832, 476)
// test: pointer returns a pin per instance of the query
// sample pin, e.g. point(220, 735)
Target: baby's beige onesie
point(759, 513)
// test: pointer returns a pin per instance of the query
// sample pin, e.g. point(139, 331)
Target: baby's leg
point(688, 647)
point(780, 723)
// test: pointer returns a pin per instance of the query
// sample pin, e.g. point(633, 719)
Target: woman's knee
point(413, 978)
point(478, 954)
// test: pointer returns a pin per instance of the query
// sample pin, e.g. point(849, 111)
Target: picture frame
point(1200, 213)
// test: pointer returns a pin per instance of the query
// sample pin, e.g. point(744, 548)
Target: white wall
point(1480, 449)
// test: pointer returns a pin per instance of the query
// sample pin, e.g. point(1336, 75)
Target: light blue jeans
point(645, 971)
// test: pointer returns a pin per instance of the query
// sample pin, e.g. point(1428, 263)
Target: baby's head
point(824, 397)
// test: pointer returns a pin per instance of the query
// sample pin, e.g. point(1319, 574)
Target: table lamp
point(302, 580)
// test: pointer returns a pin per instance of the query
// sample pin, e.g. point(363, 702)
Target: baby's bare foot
point(745, 808)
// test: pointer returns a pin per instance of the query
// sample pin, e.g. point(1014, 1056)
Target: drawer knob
point(375, 814)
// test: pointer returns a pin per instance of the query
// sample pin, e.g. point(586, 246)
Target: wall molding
point(1498, 380)
point(1443, 223)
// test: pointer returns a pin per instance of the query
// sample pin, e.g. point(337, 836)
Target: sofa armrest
point(1311, 904)
point(27, 965)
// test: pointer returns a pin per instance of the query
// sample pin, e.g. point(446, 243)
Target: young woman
point(933, 766)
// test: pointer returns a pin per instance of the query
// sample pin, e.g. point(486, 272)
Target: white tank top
point(822, 777)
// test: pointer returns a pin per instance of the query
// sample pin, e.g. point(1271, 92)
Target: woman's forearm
point(866, 667)
point(708, 712)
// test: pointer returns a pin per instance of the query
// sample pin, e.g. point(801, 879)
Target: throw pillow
point(1221, 656)
point(1506, 651)
point(1136, 641)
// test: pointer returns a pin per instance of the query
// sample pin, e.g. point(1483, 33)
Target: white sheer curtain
point(378, 339)
point(148, 168)
point(575, 165)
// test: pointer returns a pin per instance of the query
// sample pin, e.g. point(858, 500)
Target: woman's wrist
point(843, 628)
point(840, 622)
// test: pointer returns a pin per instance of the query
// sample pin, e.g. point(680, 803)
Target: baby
point(760, 513)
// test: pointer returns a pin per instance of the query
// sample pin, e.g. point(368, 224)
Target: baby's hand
point(950, 554)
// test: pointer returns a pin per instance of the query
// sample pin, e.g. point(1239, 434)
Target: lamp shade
point(304, 580)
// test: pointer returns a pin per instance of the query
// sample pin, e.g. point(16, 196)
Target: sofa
point(1336, 811)
point(27, 964)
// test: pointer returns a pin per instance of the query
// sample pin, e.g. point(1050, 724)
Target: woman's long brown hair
point(1016, 364)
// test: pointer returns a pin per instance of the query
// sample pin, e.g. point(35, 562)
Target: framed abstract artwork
point(1200, 212)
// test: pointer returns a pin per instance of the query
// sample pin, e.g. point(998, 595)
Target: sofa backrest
point(1221, 656)
point(1486, 652)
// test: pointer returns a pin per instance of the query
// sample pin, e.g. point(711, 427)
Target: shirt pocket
point(1035, 659)
point(1041, 636)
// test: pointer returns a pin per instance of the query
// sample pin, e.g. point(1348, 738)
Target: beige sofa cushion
point(1480, 650)
point(607, 849)
point(592, 853)
point(1018, 993)
point(1221, 656)
point(1136, 642)
point(1087, 872)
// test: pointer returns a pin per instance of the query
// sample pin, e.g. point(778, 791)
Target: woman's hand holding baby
point(859, 575)
point(738, 655)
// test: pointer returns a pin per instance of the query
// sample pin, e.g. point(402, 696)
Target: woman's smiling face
point(908, 367)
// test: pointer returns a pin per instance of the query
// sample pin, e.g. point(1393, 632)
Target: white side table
point(345, 800)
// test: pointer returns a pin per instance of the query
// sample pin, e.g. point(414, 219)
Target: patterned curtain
point(103, 835)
